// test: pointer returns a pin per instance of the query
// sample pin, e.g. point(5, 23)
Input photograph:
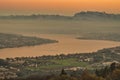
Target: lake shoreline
point(68, 44)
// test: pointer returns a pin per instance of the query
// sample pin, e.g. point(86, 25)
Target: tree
point(3, 62)
point(87, 76)
point(112, 66)
point(63, 72)
point(116, 74)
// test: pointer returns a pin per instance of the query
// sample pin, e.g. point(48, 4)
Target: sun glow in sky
point(65, 7)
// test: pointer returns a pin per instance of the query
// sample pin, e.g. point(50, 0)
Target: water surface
point(68, 44)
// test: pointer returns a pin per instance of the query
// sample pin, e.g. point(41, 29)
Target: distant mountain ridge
point(34, 16)
point(100, 15)
point(88, 15)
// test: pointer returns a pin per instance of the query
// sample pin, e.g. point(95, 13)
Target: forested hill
point(96, 15)
point(88, 15)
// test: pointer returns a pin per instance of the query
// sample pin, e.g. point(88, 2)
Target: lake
point(68, 44)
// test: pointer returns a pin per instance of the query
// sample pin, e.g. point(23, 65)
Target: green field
point(59, 64)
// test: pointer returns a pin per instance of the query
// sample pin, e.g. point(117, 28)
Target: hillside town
point(24, 66)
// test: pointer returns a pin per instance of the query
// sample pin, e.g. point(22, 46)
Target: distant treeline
point(89, 15)
point(101, 36)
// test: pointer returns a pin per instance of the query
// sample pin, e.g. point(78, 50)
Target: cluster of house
point(85, 59)
point(75, 68)
point(6, 73)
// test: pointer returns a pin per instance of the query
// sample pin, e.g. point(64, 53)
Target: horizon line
point(58, 14)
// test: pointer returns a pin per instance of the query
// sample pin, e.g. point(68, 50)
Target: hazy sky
point(66, 7)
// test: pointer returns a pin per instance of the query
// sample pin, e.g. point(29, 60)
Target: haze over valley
point(59, 39)
point(65, 29)
point(32, 47)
